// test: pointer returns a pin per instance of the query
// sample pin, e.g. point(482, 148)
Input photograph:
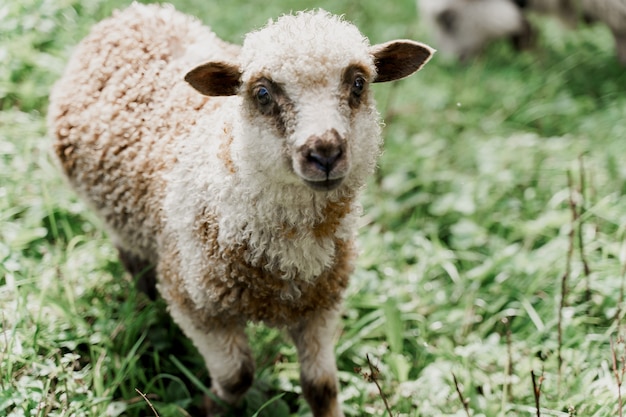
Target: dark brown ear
point(398, 59)
point(215, 79)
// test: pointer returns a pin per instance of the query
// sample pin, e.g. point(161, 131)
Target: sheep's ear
point(215, 79)
point(399, 59)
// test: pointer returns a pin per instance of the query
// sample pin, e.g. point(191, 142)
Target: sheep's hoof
point(211, 408)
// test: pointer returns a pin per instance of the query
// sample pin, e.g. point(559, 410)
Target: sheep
point(232, 171)
point(463, 27)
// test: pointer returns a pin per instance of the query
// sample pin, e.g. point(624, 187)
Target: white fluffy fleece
point(333, 43)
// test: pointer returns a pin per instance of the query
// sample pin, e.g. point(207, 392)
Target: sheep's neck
point(295, 238)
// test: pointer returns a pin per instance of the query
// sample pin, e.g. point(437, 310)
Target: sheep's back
point(120, 108)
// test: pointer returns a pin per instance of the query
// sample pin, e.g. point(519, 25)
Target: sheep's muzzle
point(322, 161)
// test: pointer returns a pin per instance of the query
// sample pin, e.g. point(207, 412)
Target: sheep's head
point(304, 86)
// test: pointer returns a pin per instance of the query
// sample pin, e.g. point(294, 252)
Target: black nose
point(324, 158)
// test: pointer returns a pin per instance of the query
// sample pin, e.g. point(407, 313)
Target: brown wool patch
point(224, 151)
point(334, 212)
point(288, 232)
point(65, 151)
point(175, 291)
point(245, 292)
point(208, 232)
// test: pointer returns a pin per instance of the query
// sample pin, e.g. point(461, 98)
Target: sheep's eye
point(263, 96)
point(358, 86)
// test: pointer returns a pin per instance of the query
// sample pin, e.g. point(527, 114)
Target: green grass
point(466, 238)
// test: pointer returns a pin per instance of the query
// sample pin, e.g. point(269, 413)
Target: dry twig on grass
point(619, 370)
point(148, 401)
point(372, 376)
point(463, 400)
point(566, 274)
point(537, 390)
point(579, 211)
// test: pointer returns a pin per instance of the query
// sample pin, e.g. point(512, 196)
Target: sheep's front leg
point(318, 371)
point(227, 356)
point(230, 364)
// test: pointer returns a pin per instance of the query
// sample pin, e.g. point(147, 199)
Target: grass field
point(491, 279)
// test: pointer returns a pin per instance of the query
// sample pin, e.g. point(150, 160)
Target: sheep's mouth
point(324, 185)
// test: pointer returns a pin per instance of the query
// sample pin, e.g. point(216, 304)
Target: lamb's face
point(320, 124)
point(308, 116)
